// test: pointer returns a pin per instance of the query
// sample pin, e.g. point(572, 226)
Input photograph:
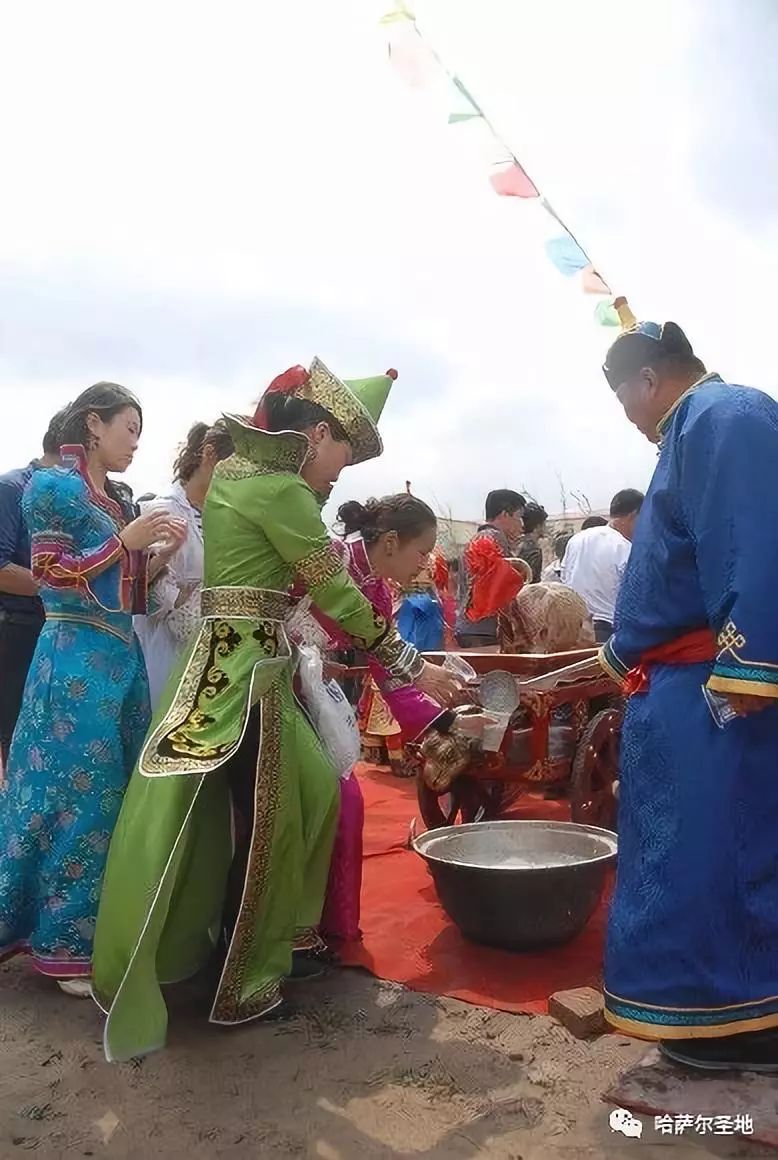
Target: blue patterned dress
point(83, 719)
point(693, 936)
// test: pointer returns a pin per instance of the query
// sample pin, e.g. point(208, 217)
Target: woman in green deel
point(227, 826)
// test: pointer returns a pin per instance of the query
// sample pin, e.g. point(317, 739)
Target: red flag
point(410, 55)
point(593, 283)
point(494, 582)
point(512, 181)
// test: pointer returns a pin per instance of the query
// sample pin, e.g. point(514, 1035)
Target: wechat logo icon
point(621, 1120)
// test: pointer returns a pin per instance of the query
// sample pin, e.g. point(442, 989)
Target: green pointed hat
point(355, 403)
point(373, 393)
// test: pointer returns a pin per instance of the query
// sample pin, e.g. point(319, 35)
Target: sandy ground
point(364, 1069)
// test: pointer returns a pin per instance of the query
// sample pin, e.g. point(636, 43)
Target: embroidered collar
point(273, 451)
point(358, 550)
point(73, 456)
point(665, 421)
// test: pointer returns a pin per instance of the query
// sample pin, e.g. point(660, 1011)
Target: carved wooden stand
point(492, 783)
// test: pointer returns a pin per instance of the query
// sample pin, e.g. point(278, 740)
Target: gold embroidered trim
point(172, 747)
point(401, 660)
point(260, 452)
point(239, 467)
point(330, 392)
point(229, 1006)
point(719, 684)
point(236, 602)
point(178, 742)
point(152, 762)
point(242, 467)
point(308, 939)
point(319, 567)
point(92, 622)
point(651, 1030)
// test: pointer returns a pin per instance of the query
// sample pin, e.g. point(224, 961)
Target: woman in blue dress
point(86, 701)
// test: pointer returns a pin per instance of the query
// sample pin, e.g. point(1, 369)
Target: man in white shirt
point(552, 573)
point(595, 560)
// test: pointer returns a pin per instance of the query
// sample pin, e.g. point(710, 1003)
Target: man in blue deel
point(693, 936)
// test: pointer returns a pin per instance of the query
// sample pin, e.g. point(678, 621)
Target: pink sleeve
point(413, 710)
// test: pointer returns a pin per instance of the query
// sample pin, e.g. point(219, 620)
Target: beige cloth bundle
point(550, 618)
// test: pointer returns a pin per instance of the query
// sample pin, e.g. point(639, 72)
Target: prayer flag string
point(420, 66)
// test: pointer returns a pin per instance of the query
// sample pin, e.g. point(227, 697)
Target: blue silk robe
point(693, 936)
point(83, 718)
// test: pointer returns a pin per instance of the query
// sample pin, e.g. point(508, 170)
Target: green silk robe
point(161, 908)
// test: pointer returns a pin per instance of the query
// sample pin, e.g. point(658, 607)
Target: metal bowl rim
point(444, 831)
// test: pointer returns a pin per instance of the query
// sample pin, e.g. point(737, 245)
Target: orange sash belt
point(690, 649)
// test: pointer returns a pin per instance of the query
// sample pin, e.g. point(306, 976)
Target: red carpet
point(407, 937)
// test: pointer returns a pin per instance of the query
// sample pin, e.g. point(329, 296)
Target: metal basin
point(518, 885)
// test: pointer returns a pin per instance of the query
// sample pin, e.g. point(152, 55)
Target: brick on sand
point(580, 1010)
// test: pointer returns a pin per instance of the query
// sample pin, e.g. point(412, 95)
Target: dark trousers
point(18, 638)
point(241, 771)
point(603, 631)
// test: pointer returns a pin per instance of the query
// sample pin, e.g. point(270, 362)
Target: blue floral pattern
point(83, 718)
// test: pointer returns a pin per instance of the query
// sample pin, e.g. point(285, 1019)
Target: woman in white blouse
point(174, 604)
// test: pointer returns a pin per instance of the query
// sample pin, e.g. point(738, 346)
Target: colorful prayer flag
point(408, 52)
point(422, 68)
point(566, 254)
point(606, 314)
point(626, 317)
point(512, 181)
point(397, 15)
point(593, 283)
point(462, 107)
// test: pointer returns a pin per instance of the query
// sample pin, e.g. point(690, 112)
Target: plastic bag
point(331, 715)
point(304, 629)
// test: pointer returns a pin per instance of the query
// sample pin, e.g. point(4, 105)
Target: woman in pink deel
point(385, 541)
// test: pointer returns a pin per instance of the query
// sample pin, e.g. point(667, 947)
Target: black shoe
point(307, 966)
point(751, 1051)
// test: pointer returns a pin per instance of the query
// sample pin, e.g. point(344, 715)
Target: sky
point(196, 197)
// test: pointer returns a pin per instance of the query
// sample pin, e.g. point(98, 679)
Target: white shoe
point(81, 988)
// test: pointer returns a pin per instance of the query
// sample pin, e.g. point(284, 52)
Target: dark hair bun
point(354, 516)
point(404, 514)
